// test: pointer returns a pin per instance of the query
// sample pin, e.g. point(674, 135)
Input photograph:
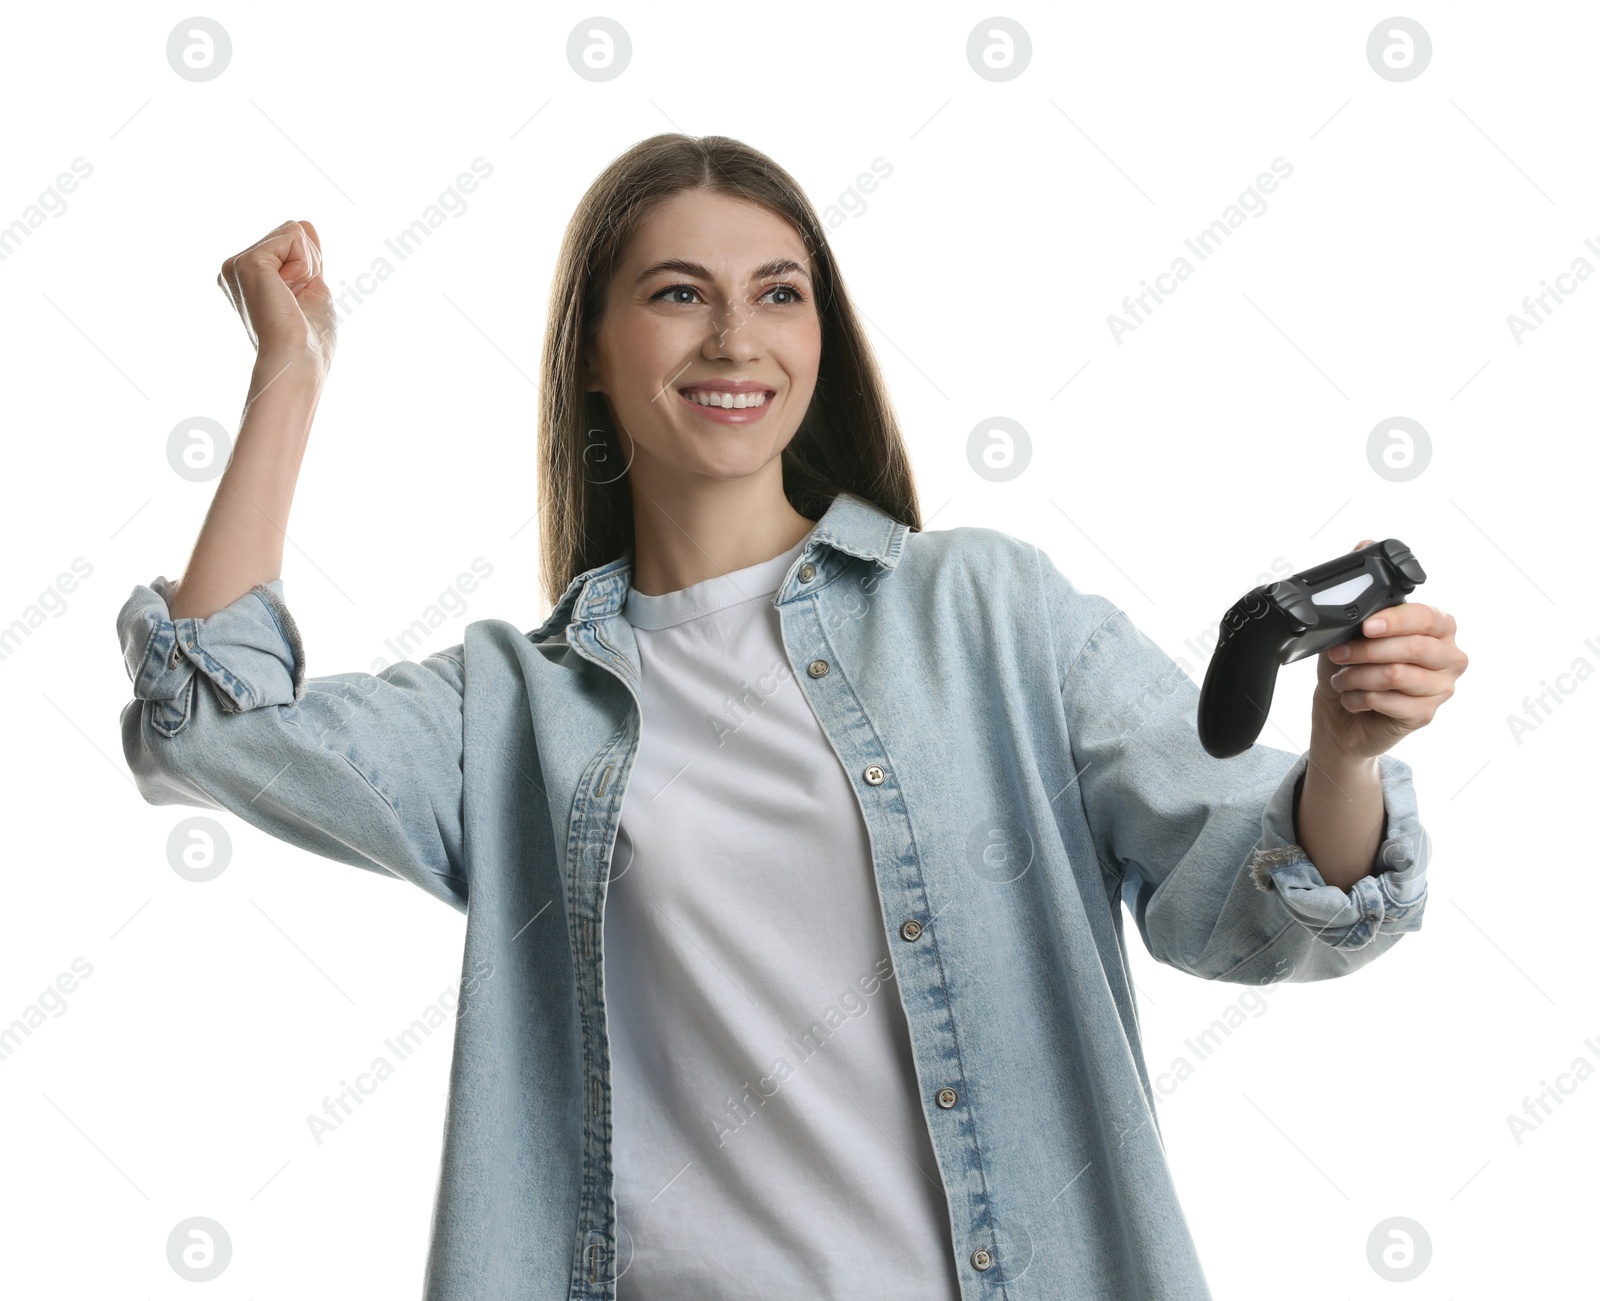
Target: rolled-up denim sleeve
point(1206, 848)
point(360, 768)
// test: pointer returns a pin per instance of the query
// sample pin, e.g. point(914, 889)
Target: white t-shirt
point(741, 917)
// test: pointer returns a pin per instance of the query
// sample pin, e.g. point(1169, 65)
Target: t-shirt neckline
point(709, 595)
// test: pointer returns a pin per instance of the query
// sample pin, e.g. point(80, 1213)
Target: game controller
point(1278, 623)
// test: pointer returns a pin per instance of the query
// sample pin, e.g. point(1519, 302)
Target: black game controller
point(1278, 623)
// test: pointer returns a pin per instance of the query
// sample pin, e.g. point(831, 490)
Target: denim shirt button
point(946, 1098)
point(874, 775)
point(807, 572)
point(981, 1259)
point(817, 668)
point(910, 929)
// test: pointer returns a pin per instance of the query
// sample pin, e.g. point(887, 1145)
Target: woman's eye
point(795, 296)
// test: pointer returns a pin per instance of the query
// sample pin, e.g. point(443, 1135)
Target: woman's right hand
point(277, 288)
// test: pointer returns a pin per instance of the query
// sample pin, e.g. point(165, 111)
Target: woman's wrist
point(303, 370)
point(1339, 814)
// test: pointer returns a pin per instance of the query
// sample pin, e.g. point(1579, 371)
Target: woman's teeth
point(724, 400)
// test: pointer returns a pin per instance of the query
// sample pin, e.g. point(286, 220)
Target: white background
point(1227, 433)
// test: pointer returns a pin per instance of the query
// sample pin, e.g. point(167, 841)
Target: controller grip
point(1239, 683)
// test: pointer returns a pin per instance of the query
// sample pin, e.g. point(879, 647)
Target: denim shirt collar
point(850, 526)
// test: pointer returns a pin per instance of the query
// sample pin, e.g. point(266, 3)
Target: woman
point(850, 809)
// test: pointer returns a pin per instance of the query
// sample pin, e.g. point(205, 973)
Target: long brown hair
point(849, 439)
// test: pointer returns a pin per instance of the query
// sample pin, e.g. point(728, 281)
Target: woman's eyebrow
point(779, 266)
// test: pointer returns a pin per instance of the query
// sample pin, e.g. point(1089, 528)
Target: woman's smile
point(726, 406)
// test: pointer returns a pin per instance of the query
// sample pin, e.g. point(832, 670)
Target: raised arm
point(276, 286)
point(361, 768)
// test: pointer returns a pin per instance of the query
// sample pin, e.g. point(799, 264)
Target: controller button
point(1399, 555)
point(1302, 612)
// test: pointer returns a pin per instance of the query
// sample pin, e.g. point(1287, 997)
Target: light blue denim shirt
point(1026, 763)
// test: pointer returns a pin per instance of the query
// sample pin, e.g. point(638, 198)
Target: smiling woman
point(699, 267)
point(672, 855)
point(736, 343)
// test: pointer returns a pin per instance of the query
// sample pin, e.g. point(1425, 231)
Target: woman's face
point(713, 291)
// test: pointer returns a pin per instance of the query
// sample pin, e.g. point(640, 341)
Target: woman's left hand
point(1386, 683)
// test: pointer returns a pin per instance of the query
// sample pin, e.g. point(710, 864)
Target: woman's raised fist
point(277, 288)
